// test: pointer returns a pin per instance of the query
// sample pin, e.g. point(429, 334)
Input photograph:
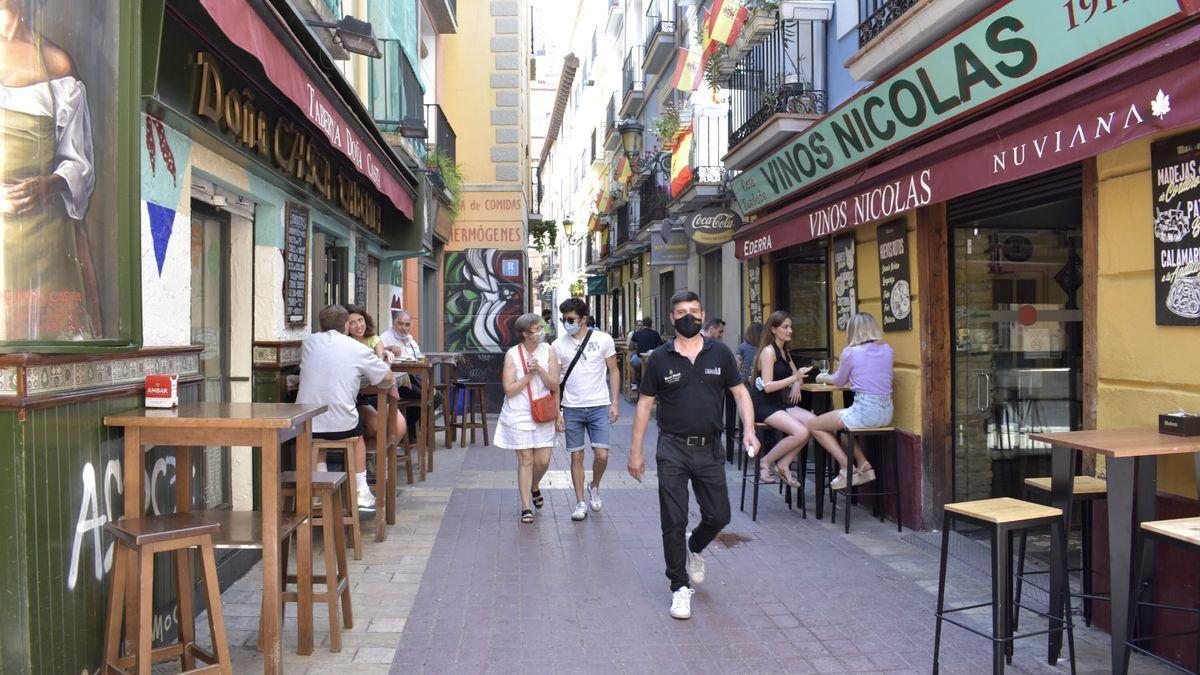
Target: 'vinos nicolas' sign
point(1018, 43)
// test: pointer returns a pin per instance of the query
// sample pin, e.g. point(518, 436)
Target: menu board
point(1175, 173)
point(360, 272)
point(893, 276)
point(754, 284)
point(295, 264)
point(845, 280)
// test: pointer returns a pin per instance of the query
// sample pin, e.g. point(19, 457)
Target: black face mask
point(688, 326)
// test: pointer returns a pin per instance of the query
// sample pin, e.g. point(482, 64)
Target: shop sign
point(597, 285)
point(490, 220)
point(1017, 44)
point(712, 226)
point(669, 247)
point(845, 280)
point(295, 264)
point(501, 236)
point(360, 272)
point(893, 276)
point(1175, 176)
point(754, 289)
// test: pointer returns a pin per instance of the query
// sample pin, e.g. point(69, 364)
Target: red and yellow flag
point(689, 68)
point(624, 171)
point(681, 162)
point(726, 20)
point(604, 197)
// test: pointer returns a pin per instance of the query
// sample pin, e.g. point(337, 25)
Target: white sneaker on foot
point(681, 603)
point(695, 563)
point(366, 500)
point(593, 494)
point(839, 483)
point(580, 511)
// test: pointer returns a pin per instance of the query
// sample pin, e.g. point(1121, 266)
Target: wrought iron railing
point(660, 19)
point(632, 78)
point(778, 75)
point(610, 116)
point(441, 134)
point(621, 229)
point(395, 91)
point(878, 15)
point(653, 198)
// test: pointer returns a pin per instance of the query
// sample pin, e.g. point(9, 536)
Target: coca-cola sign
point(712, 225)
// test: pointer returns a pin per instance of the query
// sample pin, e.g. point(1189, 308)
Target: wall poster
point(295, 264)
point(754, 288)
point(845, 280)
point(1175, 172)
point(893, 276)
point(360, 272)
point(59, 117)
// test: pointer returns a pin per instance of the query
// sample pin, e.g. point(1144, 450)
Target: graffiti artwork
point(484, 296)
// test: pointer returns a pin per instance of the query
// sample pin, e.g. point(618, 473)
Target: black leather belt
point(693, 441)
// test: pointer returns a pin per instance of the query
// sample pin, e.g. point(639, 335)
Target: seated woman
point(866, 364)
point(362, 328)
point(747, 350)
point(775, 404)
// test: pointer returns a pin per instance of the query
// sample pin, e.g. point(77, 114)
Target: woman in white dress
point(529, 373)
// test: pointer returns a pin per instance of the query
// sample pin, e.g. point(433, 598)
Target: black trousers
point(703, 466)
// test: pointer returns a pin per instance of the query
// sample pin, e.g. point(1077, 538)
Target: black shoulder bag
point(562, 386)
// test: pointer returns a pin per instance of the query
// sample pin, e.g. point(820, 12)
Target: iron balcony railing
point(621, 230)
point(653, 198)
point(610, 116)
point(441, 134)
point(660, 18)
point(632, 78)
point(777, 76)
point(878, 15)
point(535, 188)
point(395, 92)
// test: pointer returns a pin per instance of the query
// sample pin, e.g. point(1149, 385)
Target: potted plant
point(667, 124)
point(448, 173)
point(760, 22)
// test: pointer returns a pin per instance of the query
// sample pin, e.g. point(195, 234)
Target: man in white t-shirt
point(590, 400)
point(400, 342)
point(333, 366)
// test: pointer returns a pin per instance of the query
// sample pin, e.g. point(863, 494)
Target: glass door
point(210, 328)
point(1018, 344)
point(801, 280)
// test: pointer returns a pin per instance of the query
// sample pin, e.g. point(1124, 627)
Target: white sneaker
point(839, 483)
point(366, 500)
point(681, 603)
point(593, 494)
point(695, 564)
point(580, 511)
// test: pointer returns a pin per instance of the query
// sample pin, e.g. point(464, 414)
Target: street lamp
point(569, 232)
point(357, 36)
point(641, 161)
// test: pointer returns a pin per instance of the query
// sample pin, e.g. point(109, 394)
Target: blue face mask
point(571, 327)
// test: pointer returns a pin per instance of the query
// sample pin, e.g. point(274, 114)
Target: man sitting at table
point(332, 366)
point(400, 342)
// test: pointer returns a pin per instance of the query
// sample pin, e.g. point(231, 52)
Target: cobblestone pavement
point(461, 586)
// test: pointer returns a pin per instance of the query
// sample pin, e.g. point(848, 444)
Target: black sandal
point(538, 501)
point(527, 516)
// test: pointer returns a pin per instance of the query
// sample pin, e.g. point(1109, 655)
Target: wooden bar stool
point(750, 472)
point(851, 491)
point(141, 538)
point(445, 377)
point(1180, 532)
point(1002, 518)
point(1087, 489)
point(475, 401)
point(328, 490)
point(321, 446)
point(406, 454)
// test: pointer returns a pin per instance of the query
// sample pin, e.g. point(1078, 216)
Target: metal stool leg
point(941, 598)
point(1000, 568)
point(1086, 555)
point(1062, 532)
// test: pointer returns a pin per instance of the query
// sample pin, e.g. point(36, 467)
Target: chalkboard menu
point(845, 281)
point(893, 276)
point(754, 284)
point(1175, 172)
point(295, 264)
point(360, 272)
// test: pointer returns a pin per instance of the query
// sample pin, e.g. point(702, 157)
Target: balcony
point(710, 141)
point(776, 91)
point(633, 82)
point(893, 31)
point(612, 137)
point(395, 96)
point(616, 17)
point(598, 156)
point(444, 15)
point(441, 134)
point(661, 26)
point(653, 199)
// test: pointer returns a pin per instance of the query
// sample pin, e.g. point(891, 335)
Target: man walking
point(589, 399)
point(714, 329)
point(643, 341)
point(689, 376)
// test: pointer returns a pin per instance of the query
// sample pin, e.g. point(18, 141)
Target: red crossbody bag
point(545, 408)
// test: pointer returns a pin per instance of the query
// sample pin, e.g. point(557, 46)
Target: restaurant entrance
point(801, 283)
point(1016, 259)
point(211, 328)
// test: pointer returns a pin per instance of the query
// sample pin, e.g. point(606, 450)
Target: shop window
point(68, 263)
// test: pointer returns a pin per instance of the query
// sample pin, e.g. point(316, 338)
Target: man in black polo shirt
point(689, 377)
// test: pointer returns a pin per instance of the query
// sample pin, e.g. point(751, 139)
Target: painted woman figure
point(46, 181)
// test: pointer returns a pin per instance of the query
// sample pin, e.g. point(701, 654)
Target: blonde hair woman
point(530, 372)
point(866, 365)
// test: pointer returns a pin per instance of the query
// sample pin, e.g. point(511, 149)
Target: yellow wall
point(1143, 369)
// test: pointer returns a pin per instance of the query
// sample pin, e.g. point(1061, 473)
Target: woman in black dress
point(775, 404)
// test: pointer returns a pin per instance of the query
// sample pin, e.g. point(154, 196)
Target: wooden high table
point(1131, 459)
point(262, 425)
point(822, 394)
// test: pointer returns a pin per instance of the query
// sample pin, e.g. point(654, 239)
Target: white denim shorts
point(868, 411)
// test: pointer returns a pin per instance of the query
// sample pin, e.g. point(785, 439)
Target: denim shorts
point(594, 420)
point(868, 411)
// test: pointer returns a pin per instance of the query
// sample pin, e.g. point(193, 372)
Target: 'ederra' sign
point(1019, 42)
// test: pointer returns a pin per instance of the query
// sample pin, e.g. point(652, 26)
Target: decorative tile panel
point(264, 356)
point(8, 382)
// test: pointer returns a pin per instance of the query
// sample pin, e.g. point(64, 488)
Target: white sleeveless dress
point(516, 429)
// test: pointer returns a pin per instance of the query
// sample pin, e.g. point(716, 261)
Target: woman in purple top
point(866, 364)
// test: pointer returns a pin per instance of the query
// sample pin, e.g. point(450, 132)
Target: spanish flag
point(726, 20)
point(604, 197)
point(593, 223)
point(689, 67)
point(624, 171)
point(681, 162)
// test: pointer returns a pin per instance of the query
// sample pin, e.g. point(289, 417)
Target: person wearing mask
point(644, 341)
point(362, 329)
point(590, 386)
point(688, 377)
point(866, 365)
point(331, 366)
point(399, 341)
point(775, 404)
point(530, 372)
point(714, 329)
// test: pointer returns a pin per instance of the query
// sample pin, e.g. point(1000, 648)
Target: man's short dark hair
point(333, 317)
point(647, 323)
point(545, 314)
point(713, 323)
point(576, 305)
point(683, 296)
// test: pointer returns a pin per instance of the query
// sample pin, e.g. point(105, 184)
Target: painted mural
point(484, 296)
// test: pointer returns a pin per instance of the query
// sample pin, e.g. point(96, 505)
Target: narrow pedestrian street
point(461, 586)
